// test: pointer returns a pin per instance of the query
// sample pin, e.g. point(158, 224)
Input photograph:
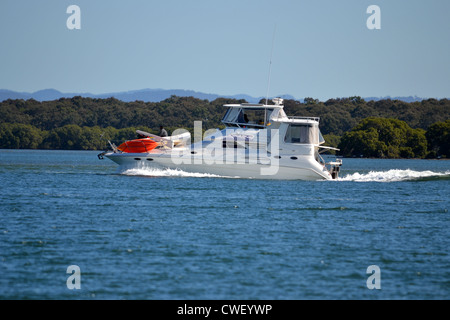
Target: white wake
point(394, 175)
point(154, 172)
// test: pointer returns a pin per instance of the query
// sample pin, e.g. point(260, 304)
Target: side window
point(301, 133)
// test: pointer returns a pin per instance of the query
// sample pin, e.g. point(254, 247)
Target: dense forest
point(385, 128)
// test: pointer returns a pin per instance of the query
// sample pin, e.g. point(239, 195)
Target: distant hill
point(405, 99)
point(146, 95)
point(155, 95)
point(41, 95)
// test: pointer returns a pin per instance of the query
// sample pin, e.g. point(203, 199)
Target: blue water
point(172, 235)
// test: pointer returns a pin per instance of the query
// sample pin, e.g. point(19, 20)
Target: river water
point(166, 234)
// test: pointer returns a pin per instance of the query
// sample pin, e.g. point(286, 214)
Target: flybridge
point(251, 115)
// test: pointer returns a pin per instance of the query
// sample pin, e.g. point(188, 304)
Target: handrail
point(305, 118)
point(245, 124)
point(321, 160)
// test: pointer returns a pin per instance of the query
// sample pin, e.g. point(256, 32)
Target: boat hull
point(284, 168)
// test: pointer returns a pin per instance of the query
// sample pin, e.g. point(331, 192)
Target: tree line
point(393, 138)
point(385, 128)
point(68, 137)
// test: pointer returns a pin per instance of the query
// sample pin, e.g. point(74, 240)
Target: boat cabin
point(293, 130)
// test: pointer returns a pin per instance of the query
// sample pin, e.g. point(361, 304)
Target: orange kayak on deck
point(138, 146)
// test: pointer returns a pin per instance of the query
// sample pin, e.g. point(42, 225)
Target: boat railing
point(321, 160)
point(304, 118)
point(244, 125)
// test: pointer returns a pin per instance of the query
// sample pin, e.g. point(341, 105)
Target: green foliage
point(20, 136)
point(68, 137)
point(438, 137)
point(337, 115)
point(79, 123)
point(342, 114)
point(384, 138)
point(332, 141)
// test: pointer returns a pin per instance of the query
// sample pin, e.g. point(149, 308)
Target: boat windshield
point(247, 117)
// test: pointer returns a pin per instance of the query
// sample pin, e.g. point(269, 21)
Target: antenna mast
point(270, 63)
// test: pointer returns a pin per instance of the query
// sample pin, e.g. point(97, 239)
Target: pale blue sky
point(323, 48)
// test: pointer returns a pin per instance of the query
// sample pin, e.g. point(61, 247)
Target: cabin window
point(232, 115)
point(321, 139)
point(248, 117)
point(257, 117)
point(302, 133)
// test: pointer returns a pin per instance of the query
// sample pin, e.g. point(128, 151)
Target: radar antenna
point(270, 63)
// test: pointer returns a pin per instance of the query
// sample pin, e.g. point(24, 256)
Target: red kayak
point(138, 146)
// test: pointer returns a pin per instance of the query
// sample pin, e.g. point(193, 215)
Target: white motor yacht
point(258, 142)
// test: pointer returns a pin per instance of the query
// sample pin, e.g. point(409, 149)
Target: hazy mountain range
point(153, 95)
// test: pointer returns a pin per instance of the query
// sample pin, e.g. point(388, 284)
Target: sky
point(310, 48)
